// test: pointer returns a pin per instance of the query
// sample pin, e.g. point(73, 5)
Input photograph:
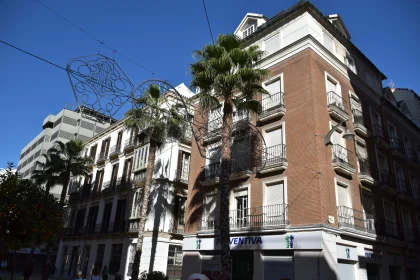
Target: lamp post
point(348, 135)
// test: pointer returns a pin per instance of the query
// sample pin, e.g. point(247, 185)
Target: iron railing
point(272, 102)
point(269, 215)
point(403, 187)
point(239, 164)
point(341, 154)
point(385, 178)
point(101, 157)
point(359, 220)
point(397, 145)
point(273, 156)
point(182, 174)
point(379, 132)
point(115, 150)
point(358, 117)
point(129, 143)
point(106, 186)
point(336, 101)
point(411, 155)
point(365, 169)
point(240, 116)
point(132, 226)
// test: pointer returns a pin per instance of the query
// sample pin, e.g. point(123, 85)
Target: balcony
point(365, 173)
point(272, 107)
point(386, 181)
point(397, 147)
point(214, 130)
point(412, 156)
point(379, 136)
point(176, 228)
point(101, 158)
point(355, 219)
point(256, 217)
point(341, 161)
point(114, 151)
point(132, 226)
point(337, 107)
point(123, 183)
point(241, 168)
point(404, 191)
point(140, 165)
point(359, 123)
point(181, 175)
point(273, 159)
point(129, 145)
point(106, 187)
point(139, 181)
point(409, 234)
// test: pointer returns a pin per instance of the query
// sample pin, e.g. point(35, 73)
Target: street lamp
point(348, 135)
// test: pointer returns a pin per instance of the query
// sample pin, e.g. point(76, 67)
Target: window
point(328, 42)
point(392, 131)
point(274, 193)
point(136, 206)
point(408, 226)
point(331, 85)
point(414, 186)
point(140, 157)
point(183, 166)
point(132, 251)
point(272, 44)
point(350, 63)
point(390, 221)
point(251, 29)
point(241, 207)
point(174, 270)
point(369, 80)
point(179, 215)
point(100, 252)
point(115, 259)
point(343, 197)
point(382, 162)
point(210, 209)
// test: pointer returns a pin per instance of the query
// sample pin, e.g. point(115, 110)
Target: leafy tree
point(28, 215)
point(47, 174)
point(158, 122)
point(220, 72)
point(155, 275)
point(68, 161)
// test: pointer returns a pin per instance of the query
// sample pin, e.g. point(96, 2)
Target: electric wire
point(99, 41)
point(208, 21)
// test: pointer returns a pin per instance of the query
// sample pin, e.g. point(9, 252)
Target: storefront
point(373, 262)
point(253, 257)
point(347, 258)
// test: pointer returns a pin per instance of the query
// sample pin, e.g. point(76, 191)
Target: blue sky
point(161, 35)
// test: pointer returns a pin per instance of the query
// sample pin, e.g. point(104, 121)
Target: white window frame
point(347, 185)
point(346, 60)
point(273, 126)
point(232, 196)
point(272, 80)
point(271, 182)
point(338, 86)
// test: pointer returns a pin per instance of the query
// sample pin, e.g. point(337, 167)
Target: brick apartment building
point(345, 210)
point(103, 212)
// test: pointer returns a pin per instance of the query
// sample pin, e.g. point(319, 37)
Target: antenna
point(392, 85)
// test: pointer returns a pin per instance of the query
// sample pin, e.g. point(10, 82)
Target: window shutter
point(331, 86)
point(343, 196)
point(274, 87)
point(274, 193)
point(272, 45)
point(361, 151)
point(274, 137)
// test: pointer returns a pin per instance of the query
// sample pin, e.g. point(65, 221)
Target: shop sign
point(347, 253)
point(374, 256)
point(299, 240)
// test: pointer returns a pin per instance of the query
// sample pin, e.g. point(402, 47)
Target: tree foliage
point(28, 216)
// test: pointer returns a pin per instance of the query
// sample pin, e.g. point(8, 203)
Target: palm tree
point(69, 161)
point(47, 174)
point(220, 72)
point(159, 123)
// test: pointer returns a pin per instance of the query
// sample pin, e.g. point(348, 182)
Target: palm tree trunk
point(66, 181)
point(225, 171)
point(144, 206)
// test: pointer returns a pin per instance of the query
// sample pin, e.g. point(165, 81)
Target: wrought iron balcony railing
point(358, 117)
point(335, 101)
point(182, 174)
point(239, 164)
point(397, 145)
point(129, 144)
point(115, 150)
point(359, 220)
point(271, 103)
point(132, 226)
point(403, 188)
point(411, 155)
point(379, 132)
point(365, 169)
point(269, 215)
point(101, 157)
point(341, 161)
point(273, 156)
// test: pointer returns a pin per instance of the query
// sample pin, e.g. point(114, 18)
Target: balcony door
point(332, 86)
point(339, 145)
point(407, 145)
point(240, 217)
point(390, 220)
point(273, 212)
point(407, 223)
point(274, 99)
point(369, 210)
point(274, 145)
point(214, 154)
point(241, 154)
point(414, 186)
point(399, 174)
point(345, 215)
point(211, 211)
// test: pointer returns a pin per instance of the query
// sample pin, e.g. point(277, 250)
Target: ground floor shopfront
point(299, 255)
point(159, 254)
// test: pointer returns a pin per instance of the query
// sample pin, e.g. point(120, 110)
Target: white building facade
point(70, 123)
point(103, 211)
